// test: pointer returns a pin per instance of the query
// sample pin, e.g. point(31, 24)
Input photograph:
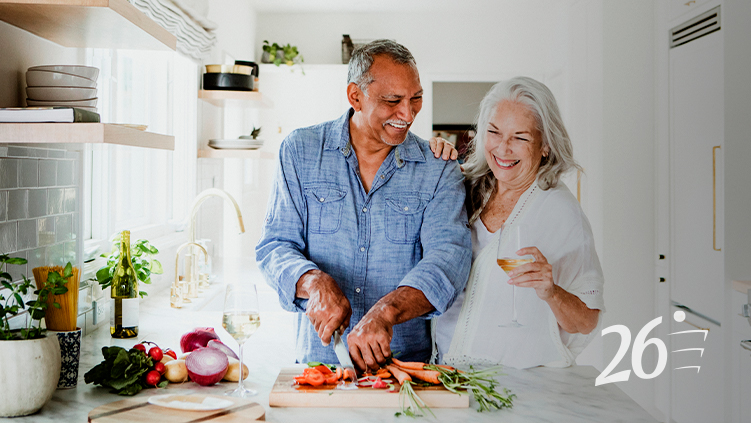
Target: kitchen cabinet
point(696, 182)
point(697, 394)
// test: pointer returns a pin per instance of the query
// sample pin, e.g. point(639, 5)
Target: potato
point(166, 359)
point(233, 371)
point(175, 371)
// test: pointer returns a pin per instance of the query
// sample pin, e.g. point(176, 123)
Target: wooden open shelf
point(221, 98)
point(82, 133)
point(210, 153)
point(88, 23)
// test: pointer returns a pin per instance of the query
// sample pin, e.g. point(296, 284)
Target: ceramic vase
point(29, 372)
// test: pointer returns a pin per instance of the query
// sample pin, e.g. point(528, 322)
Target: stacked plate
point(237, 144)
point(59, 85)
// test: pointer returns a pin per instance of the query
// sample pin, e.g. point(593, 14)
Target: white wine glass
point(241, 320)
point(508, 260)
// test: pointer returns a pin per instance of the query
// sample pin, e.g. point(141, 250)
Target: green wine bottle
point(124, 303)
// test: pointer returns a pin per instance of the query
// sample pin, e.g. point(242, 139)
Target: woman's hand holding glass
point(537, 274)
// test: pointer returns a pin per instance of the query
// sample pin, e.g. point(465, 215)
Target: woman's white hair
point(555, 140)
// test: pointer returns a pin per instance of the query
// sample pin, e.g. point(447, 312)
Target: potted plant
point(253, 134)
point(141, 255)
point(31, 358)
point(278, 54)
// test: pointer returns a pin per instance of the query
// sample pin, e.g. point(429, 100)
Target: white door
point(696, 132)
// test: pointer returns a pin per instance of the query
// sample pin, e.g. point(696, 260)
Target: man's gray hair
point(362, 60)
point(555, 140)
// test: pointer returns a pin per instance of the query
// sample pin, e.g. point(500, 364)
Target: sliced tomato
point(331, 379)
point(309, 370)
point(302, 380)
point(339, 373)
point(315, 378)
point(323, 369)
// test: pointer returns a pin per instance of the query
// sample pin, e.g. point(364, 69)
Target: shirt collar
point(409, 150)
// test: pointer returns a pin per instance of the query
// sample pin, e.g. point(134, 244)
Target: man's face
point(392, 101)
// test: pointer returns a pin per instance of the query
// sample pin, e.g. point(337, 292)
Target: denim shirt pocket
point(324, 207)
point(404, 217)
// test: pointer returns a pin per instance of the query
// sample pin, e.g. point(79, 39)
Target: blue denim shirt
point(410, 229)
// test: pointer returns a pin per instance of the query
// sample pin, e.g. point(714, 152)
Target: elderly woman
point(513, 178)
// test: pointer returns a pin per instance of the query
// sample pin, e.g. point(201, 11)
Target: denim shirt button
point(322, 199)
point(362, 249)
point(364, 209)
point(382, 176)
point(405, 209)
point(357, 290)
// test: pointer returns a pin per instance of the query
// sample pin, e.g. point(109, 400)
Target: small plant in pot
point(141, 255)
point(253, 134)
point(30, 381)
point(278, 54)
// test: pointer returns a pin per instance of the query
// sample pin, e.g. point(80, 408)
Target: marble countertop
point(543, 394)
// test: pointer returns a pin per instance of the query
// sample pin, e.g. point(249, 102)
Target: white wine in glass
point(241, 320)
point(508, 260)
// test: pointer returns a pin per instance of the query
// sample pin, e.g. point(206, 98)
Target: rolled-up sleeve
point(447, 244)
point(279, 252)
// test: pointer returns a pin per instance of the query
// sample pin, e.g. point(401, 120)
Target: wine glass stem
point(240, 381)
point(513, 303)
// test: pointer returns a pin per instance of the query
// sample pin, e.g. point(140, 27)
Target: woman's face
point(513, 146)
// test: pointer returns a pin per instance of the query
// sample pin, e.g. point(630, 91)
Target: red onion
point(197, 338)
point(207, 366)
point(219, 345)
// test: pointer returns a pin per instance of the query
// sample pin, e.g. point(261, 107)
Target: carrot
point(408, 364)
point(339, 373)
point(383, 373)
point(400, 375)
point(443, 366)
point(430, 376)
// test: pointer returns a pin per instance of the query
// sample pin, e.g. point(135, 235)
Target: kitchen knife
point(342, 353)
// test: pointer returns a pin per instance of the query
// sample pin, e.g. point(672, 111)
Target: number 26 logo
point(640, 344)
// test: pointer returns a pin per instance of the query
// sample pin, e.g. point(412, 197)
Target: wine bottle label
point(130, 312)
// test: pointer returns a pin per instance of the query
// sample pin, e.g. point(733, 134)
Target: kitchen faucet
point(191, 261)
point(178, 293)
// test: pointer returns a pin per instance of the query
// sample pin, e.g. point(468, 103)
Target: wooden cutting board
point(286, 393)
point(139, 410)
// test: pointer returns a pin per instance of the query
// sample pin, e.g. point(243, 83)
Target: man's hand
point(369, 341)
point(328, 309)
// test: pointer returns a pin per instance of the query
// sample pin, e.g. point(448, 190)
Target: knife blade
point(342, 353)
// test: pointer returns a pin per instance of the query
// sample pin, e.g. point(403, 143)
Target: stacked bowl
point(59, 85)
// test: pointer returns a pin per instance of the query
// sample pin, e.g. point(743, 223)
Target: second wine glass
point(241, 320)
point(509, 260)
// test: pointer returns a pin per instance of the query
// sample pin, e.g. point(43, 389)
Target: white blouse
point(474, 330)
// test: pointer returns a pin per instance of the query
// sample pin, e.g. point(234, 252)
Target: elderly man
point(365, 230)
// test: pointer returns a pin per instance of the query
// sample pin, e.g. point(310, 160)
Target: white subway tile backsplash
point(55, 199)
point(28, 175)
point(14, 151)
point(46, 231)
point(36, 258)
point(37, 152)
point(56, 255)
point(3, 206)
point(37, 202)
point(8, 232)
point(8, 173)
point(18, 204)
point(71, 252)
point(56, 154)
point(47, 173)
point(3, 151)
point(63, 227)
point(65, 173)
point(27, 234)
point(17, 270)
point(70, 200)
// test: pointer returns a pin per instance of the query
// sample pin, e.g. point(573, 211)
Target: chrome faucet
point(191, 262)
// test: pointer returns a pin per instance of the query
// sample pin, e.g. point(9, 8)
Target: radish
point(206, 366)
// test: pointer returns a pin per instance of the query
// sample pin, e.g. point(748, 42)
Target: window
point(139, 188)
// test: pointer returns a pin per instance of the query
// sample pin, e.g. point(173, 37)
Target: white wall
point(457, 102)
point(628, 177)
